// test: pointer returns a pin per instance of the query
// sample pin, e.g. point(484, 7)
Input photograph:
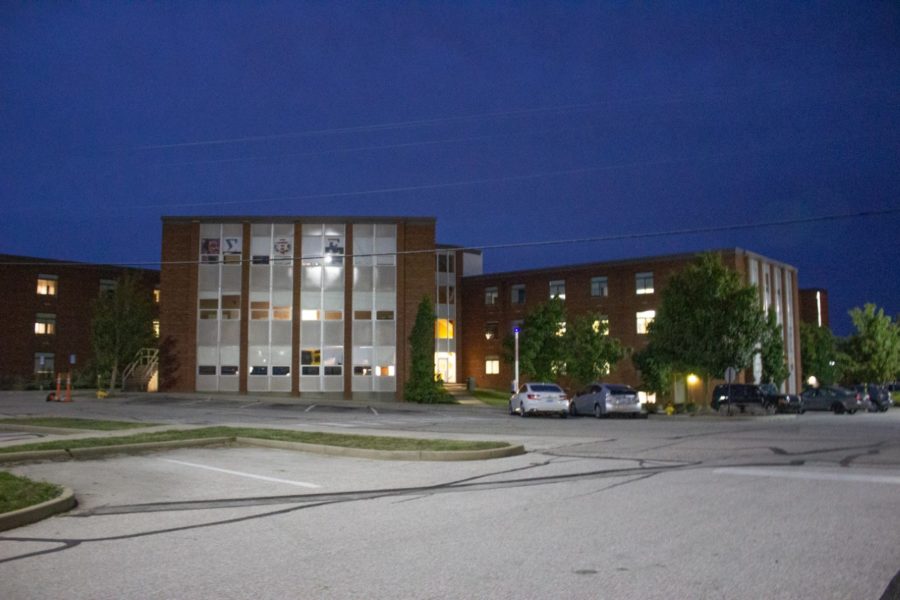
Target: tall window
point(490, 296)
point(643, 283)
point(492, 365)
point(558, 289)
point(46, 285)
point(599, 287)
point(644, 318)
point(45, 324)
point(443, 329)
point(517, 293)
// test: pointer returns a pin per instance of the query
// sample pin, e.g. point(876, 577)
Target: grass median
point(369, 442)
point(492, 397)
point(19, 492)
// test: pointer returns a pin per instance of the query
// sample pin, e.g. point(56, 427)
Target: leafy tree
point(421, 386)
point(588, 351)
point(819, 355)
point(708, 320)
point(656, 375)
point(875, 347)
point(122, 324)
point(771, 350)
point(541, 348)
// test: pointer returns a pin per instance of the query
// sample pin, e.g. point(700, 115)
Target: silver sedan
point(605, 399)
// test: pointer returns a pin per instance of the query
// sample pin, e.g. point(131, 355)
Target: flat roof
point(294, 219)
point(684, 256)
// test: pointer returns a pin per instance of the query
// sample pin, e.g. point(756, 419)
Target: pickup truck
point(765, 396)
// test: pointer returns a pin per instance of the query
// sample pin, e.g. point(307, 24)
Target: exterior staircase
point(143, 372)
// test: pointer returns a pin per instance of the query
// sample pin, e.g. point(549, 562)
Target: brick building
point(302, 305)
point(625, 292)
point(45, 327)
point(326, 305)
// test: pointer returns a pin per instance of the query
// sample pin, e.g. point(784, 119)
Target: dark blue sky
point(508, 122)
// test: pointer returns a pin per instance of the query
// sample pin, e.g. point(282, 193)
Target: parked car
point(742, 396)
point(877, 398)
point(784, 403)
point(539, 398)
point(607, 399)
point(833, 398)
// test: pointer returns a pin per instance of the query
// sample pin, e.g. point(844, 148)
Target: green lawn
point(18, 492)
point(70, 423)
point(328, 439)
point(492, 397)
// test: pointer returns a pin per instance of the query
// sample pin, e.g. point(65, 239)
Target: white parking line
point(250, 475)
point(790, 473)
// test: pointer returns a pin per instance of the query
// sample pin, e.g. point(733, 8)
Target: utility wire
point(512, 245)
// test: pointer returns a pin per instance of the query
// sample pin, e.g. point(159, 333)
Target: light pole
point(516, 381)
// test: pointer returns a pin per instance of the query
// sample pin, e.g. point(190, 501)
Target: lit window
point(561, 329)
point(644, 318)
point(309, 315)
point(492, 365)
point(599, 287)
point(156, 295)
point(518, 293)
point(643, 283)
point(443, 329)
point(558, 289)
point(490, 296)
point(46, 285)
point(156, 328)
point(601, 325)
point(45, 324)
point(491, 330)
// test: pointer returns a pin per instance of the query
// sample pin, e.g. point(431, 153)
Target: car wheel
point(522, 409)
point(837, 408)
point(852, 412)
point(597, 412)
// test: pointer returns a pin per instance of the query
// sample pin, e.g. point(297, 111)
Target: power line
point(514, 245)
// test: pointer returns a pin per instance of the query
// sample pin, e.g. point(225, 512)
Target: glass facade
point(374, 335)
point(269, 338)
point(219, 307)
point(445, 311)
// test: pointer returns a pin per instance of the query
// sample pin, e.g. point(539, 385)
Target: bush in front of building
point(422, 387)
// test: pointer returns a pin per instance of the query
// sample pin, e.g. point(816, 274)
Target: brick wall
point(78, 285)
point(178, 307)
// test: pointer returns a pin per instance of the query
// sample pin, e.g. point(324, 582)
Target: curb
point(98, 451)
point(425, 455)
point(32, 514)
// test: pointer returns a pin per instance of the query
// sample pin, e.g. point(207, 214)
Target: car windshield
point(545, 388)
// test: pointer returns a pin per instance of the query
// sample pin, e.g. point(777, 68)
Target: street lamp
point(516, 381)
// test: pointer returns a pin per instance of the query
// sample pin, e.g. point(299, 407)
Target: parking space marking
point(242, 474)
point(808, 475)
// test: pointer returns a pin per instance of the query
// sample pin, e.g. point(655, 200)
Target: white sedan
point(537, 398)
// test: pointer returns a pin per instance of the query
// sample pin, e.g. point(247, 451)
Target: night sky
point(508, 122)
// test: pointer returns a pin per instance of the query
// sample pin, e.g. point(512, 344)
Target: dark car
point(879, 397)
point(784, 403)
point(833, 398)
point(742, 396)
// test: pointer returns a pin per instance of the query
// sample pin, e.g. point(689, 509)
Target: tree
point(819, 355)
point(708, 320)
point(122, 324)
point(656, 375)
point(771, 351)
point(874, 349)
point(421, 386)
point(541, 348)
point(589, 353)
